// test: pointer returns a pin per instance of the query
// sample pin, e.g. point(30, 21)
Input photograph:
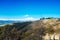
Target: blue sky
point(33, 8)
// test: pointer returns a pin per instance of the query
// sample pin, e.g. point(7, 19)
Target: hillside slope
point(30, 30)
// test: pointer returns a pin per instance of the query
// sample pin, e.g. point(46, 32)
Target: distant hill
point(8, 21)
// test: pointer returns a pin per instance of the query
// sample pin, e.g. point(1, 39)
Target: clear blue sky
point(34, 8)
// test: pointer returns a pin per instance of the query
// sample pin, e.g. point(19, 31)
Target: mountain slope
point(30, 30)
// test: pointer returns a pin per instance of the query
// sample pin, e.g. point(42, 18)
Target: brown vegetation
point(31, 30)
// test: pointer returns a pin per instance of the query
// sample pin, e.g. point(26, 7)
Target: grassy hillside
point(30, 30)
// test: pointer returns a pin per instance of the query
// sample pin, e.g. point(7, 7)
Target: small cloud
point(29, 18)
point(26, 15)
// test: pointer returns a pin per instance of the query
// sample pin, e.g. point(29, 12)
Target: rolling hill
point(30, 30)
